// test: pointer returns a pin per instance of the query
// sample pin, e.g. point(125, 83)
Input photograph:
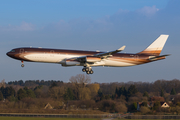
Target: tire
point(84, 70)
point(87, 69)
point(91, 72)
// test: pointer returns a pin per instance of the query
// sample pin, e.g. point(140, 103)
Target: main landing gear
point(88, 70)
point(22, 65)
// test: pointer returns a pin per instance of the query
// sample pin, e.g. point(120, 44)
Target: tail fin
point(156, 47)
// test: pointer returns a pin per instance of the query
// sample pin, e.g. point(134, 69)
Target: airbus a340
point(88, 59)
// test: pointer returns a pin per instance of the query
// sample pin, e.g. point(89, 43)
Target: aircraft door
point(136, 57)
point(52, 53)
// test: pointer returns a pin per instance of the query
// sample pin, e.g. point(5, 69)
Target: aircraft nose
point(9, 54)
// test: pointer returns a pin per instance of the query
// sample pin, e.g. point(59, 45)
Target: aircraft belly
point(49, 58)
point(44, 58)
point(117, 63)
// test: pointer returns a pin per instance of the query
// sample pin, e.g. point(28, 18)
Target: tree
point(57, 92)
point(107, 105)
point(7, 92)
point(30, 93)
point(2, 83)
point(94, 89)
point(145, 110)
point(1, 96)
point(134, 106)
point(25, 88)
point(68, 95)
point(84, 93)
point(145, 94)
point(144, 104)
point(54, 84)
point(122, 91)
point(101, 95)
point(157, 105)
point(38, 92)
point(173, 92)
point(162, 93)
point(38, 87)
point(21, 94)
point(132, 90)
point(116, 92)
point(120, 107)
point(80, 78)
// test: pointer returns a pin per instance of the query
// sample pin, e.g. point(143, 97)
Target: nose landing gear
point(88, 70)
point(22, 65)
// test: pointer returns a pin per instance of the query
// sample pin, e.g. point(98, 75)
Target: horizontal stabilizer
point(162, 56)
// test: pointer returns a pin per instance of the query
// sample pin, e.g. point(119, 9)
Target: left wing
point(110, 53)
point(99, 56)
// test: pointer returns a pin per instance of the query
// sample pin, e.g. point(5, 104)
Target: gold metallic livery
point(88, 59)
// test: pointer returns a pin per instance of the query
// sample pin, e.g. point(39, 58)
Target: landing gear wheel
point(22, 65)
point(91, 72)
point(87, 72)
point(84, 69)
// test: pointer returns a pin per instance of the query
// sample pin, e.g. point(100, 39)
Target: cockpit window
point(12, 50)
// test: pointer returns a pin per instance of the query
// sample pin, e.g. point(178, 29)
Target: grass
point(39, 118)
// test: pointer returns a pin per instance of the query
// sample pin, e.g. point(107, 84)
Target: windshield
point(12, 50)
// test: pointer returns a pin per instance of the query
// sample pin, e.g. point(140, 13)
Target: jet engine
point(71, 63)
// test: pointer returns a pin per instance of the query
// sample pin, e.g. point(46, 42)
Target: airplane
point(89, 59)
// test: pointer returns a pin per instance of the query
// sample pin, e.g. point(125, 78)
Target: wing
point(98, 57)
point(110, 53)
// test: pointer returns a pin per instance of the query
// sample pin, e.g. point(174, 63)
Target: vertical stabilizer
point(156, 47)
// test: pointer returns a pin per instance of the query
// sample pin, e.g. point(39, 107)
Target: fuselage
point(91, 58)
point(61, 56)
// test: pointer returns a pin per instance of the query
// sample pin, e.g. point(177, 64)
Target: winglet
point(122, 48)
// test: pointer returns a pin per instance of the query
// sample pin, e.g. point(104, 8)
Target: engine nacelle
point(92, 59)
point(72, 63)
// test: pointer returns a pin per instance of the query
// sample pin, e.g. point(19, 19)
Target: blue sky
point(89, 25)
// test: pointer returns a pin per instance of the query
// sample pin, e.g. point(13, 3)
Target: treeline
point(150, 87)
point(81, 94)
point(34, 82)
point(109, 88)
